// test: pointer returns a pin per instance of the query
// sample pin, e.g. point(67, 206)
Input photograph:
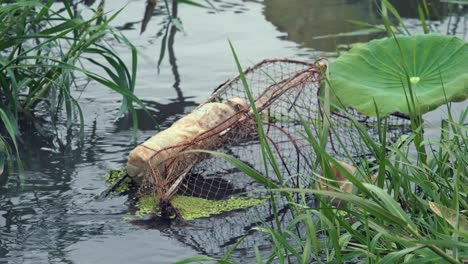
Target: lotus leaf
point(382, 70)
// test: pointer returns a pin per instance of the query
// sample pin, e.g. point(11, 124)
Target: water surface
point(53, 216)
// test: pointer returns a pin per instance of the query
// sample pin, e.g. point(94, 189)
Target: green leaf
point(359, 32)
point(9, 127)
point(369, 206)
point(432, 64)
point(397, 255)
point(11, 132)
point(178, 24)
point(422, 18)
point(195, 259)
point(395, 13)
point(392, 206)
point(258, 256)
point(2, 155)
point(457, 221)
point(61, 27)
point(249, 171)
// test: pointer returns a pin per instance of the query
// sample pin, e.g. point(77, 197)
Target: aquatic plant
point(113, 176)
point(193, 207)
point(2, 154)
point(386, 73)
point(42, 51)
point(415, 211)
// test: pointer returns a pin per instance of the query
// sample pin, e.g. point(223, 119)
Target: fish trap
point(286, 95)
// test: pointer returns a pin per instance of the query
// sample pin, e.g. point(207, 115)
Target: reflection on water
point(48, 211)
point(409, 9)
point(52, 216)
point(303, 20)
point(157, 113)
point(307, 21)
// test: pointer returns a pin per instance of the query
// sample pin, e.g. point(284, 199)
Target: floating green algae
point(193, 208)
point(113, 175)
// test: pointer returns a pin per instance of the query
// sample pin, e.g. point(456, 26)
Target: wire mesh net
point(286, 95)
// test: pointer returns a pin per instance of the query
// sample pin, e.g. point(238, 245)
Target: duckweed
point(113, 175)
point(193, 208)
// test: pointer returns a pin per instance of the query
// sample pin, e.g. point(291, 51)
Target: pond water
point(53, 216)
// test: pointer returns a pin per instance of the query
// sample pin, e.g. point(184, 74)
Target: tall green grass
point(44, 46)
point(416, 212)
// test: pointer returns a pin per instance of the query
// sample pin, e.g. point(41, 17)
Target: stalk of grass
point(394, 229)
point(386, 7)
point(427, 189)
point(422, 18)
point(419, 216)
point(267, 153)
point(43, 50)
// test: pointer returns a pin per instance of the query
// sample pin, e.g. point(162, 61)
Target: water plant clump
point(114, 175)
point(412, 209)
point(46, 48)
point(192, 208)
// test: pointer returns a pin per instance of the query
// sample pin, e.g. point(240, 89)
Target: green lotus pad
point(376, 72)
point(193, 208)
